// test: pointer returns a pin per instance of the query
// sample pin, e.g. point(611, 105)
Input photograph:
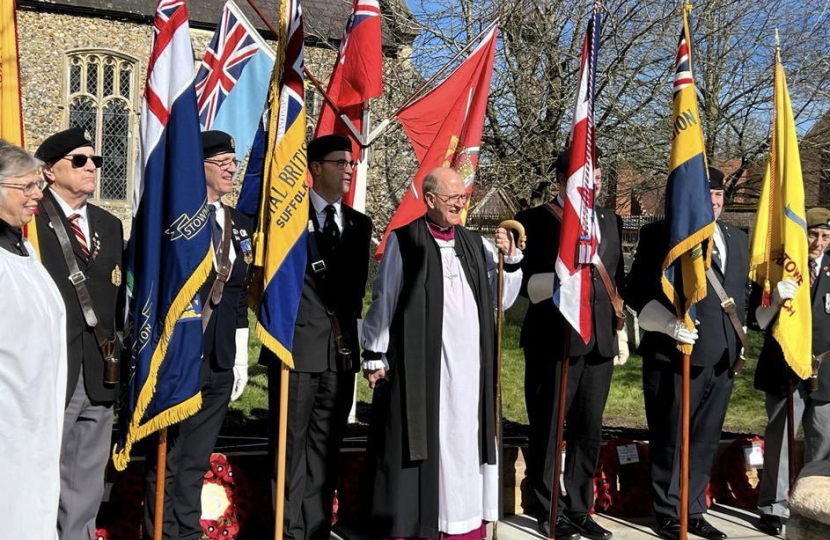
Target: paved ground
point(737, 523)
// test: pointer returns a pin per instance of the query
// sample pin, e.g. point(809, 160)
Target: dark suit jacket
point(344, 286)
point(716, 333)
point(104, 274)
point(772, 372)
point(543, 323)
point(219, 339)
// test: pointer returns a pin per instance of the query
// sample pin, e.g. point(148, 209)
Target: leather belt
point(727, 303)
point(222, 273)
point(108, 344)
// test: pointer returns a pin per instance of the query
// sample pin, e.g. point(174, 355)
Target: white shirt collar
point(320, 203)
point(68, 210)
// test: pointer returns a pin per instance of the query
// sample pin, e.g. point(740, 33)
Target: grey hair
point(430, 183)
point(15, 161)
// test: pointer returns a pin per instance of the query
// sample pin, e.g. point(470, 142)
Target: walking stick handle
point(518, 227)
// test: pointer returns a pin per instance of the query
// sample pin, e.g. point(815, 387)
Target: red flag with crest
point(357, 77)
point(445, 126)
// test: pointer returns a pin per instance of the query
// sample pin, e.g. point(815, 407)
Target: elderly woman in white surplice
point(32, 360)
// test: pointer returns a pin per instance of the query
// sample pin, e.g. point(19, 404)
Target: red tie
point(79, 233)
point(813, 265)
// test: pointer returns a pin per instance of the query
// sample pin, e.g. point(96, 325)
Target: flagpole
point(684, 447)
point(555, 488)
point(306, 71)
point(279, 496)
point(381, 126)
point(161, 480)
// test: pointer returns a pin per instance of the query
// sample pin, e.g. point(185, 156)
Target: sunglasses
point(79, 160)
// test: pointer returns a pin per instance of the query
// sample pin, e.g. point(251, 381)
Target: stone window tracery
point(100, 87)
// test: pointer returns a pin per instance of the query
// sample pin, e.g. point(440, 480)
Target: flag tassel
point(765, 298)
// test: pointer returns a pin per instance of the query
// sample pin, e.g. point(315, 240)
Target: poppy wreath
point(740, 482)
point(123, 516)
point(220, 513)
point(348, 494)
point(622, 490)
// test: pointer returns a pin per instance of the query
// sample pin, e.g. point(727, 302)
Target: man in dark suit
point(95, 240)
point(811, 404)
point(224, 356)
point(326, 352)
point(591, 365)
point(717, 345)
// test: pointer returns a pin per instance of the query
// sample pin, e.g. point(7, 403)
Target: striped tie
point(79, 233)
point(813, 277)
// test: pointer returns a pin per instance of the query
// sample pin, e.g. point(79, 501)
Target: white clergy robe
point(467, 490)
point(32, 395)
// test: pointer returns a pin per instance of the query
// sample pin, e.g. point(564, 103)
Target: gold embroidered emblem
point(116, 276)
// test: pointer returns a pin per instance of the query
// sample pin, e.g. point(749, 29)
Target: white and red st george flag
point(445, 126)
point(356, 78)
point(578, 233)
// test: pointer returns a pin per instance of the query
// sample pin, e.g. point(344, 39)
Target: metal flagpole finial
point(777, 46)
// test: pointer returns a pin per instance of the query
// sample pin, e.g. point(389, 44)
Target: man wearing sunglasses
point(81, 246)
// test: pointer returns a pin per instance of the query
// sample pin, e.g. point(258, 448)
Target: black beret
point(61, 143)
point(818, 218)
point(217, 142)
point(564, 160)
point(319, 147)
point(715, 178)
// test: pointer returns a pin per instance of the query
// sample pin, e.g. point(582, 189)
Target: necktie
point(215, 230)
point(330, 231)
point(79, 233)
point(813, 266)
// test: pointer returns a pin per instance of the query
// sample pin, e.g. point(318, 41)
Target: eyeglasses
point(453, 200)
point(80, 160)
point(340, 163)
point(225, 163)
point(27, 189)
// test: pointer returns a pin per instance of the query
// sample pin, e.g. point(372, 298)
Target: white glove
point(785, 290)
point(540, 287)
point(240, 365)
point(622, 342)
point(656, 318)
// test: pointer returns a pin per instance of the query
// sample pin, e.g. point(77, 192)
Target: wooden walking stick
point(520, 230)
point(684, 447)
point(161, 480)
point(555, 488)
point(279, 496)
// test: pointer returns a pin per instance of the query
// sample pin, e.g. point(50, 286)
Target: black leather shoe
point(771, 525)
point(543, 526)
point(590, 528)
point(701, 527)
point(565, 530)
point(668, 528)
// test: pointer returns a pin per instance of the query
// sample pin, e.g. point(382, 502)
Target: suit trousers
point(710, 389)
point(85, 450)
point(189, 446)
point(318, 408)
point(589, 381)
point(774, 488)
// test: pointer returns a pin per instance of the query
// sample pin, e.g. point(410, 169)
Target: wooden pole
point(791, 431)
point(161, 480)
point(279, 497)
point(684, 447)
point(555, 488)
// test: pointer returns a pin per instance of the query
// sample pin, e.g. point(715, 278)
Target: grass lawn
point(625, 403)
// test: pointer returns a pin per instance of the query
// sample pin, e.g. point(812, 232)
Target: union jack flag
point(232, 47)
point(578, 236)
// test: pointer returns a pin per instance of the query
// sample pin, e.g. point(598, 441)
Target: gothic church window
point(100, 91)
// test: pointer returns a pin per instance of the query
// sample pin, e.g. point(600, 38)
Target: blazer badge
point(116, 276)
point(247, 252)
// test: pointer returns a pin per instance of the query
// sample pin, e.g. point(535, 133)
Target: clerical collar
point(445, 234)
point(11, 239)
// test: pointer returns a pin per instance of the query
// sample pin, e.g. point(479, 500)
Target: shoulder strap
point(727, 303)
point(616, 300)
point(223, 272)
point(77, 278)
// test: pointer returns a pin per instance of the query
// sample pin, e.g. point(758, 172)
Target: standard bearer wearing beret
point(217, 142)
point(818, 218)
point(61, 143)
point(319, 147)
